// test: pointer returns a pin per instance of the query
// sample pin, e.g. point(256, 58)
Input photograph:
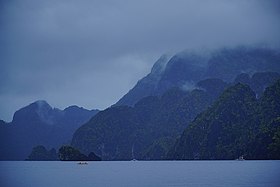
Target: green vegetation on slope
point(237, 124)
point(125, 133)
point(68, 153)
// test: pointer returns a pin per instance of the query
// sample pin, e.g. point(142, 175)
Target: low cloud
point(90, 53)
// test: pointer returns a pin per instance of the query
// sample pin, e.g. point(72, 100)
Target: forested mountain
point(187, 68)
point(149, 119)
point(145, 130)
point(150, 128)
point(237, 124)
point(40, 124)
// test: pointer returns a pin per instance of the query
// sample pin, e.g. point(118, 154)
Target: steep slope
point(237, 124)
point(188, 68)
point(146, 86)
point(40, 124)
point(149, 129)
point(183, 68)
point(124, 133)
point(268, 138)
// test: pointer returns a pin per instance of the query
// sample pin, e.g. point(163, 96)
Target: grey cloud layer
point(90, 53)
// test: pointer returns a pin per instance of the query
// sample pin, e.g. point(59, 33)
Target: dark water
point(140, 173)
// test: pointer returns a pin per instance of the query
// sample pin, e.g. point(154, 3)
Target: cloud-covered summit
point(90, 53)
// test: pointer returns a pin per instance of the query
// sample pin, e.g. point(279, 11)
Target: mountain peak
point(41, 101)
point(37, 111)
point(45, 111)
point(73, 107)
point(160, 64)
point(42, 104)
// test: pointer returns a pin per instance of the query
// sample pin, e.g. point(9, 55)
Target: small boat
point(134, 159)
point(82, 163)
point(241, 158)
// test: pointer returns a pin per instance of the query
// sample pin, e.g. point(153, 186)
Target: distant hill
point(237, 124)
point(40, 124)
point(187, 68)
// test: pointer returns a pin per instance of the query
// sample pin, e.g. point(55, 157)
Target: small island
point(65, 153)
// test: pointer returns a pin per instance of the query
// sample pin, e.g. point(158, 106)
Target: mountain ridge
point(190, 67)
point(40, 124)
point(151, 124)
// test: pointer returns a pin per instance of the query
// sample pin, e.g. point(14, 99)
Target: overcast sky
point(90, 53)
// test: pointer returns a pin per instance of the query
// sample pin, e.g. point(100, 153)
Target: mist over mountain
point(183, 92)
point(147, 121)
point(40, 124)
point(186, 68)
point(146, 86)
point(150, 128)
point(113, 44)
point(164, 102)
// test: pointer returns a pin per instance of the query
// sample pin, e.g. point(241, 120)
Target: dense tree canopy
point(68, 153)
point(237, 124)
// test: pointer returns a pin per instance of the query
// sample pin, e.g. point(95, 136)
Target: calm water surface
point(140, 173)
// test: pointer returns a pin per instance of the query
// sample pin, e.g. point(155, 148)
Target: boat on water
point(241, 158)
point(82, 163)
